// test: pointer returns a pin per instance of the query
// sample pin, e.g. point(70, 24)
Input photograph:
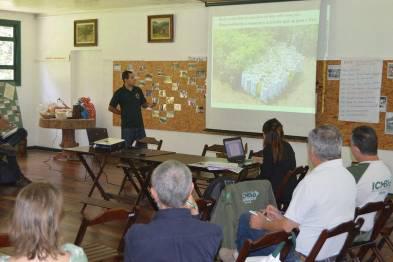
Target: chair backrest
point(265, 241)
point(151, 141)
point(383, 208)
point(4, 240)
point(107, 216)
point(96, 133)
point(213, 148)
point(351, 228)
point(205, 207)
point(299, 172)
point(235, 199)
point(255, 154)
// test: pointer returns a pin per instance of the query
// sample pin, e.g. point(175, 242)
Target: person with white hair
point(324, 199)
point(175, 233)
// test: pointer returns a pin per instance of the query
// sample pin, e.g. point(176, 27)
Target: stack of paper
point(233, 167)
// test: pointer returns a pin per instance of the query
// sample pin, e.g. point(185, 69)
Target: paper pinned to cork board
point(9, 91)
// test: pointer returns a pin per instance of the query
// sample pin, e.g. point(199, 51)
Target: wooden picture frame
point(160, 28)
point(85, 32)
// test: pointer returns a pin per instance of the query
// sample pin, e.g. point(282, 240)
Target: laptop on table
point(95, 134)
point(234, 150)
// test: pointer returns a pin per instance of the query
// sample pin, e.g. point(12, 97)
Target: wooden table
point(67, 127)
point(153, 157)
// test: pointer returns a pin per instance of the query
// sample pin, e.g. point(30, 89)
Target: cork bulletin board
point(328, 104)
point(177, 87)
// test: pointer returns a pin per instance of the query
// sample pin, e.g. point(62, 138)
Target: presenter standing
point(130, 98)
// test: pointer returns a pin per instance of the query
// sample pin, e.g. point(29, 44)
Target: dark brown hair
point(126, 74)
point(274, 136)
point(35, 225)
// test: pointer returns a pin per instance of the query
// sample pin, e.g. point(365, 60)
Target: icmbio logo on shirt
point(137, 96)
point(249, 196)
point(380, 185)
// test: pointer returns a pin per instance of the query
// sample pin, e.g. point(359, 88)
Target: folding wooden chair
point(252, 173)
point(99, 252)
point(4, 240)
point(151, 141)
point(351, 228)
point(205, 207)
point(266, 241)
point(5, 245)
point(299, 173)
point(128, 170)
point(252, 154)
point(385, 238)
point(205, 177)
point(384, 210)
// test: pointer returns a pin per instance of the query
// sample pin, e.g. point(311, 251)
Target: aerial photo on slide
point(265, 63)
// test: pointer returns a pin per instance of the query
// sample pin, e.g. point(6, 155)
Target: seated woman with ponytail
point(278, 157)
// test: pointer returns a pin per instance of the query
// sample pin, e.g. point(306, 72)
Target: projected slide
point(265, 61)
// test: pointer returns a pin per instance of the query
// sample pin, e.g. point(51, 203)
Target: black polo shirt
point(130, 106)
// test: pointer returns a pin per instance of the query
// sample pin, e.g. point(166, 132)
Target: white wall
point(356, 29)
point(27, 92)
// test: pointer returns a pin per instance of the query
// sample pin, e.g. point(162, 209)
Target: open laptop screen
point(95, 134)
point(234, 149)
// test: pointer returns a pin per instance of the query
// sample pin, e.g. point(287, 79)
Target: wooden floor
point(72, 178)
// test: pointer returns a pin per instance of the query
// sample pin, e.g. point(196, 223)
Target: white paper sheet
point(9, 91)
point(360, 89)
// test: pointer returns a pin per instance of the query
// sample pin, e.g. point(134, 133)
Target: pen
point(191, 204)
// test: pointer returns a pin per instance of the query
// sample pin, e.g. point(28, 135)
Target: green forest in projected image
point(264, 67)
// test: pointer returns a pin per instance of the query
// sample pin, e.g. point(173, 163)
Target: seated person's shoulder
point(209, 228)
point(76, 253)
point(4, 258)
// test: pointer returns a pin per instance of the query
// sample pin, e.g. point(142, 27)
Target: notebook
point(234, 149)
point(95, 134)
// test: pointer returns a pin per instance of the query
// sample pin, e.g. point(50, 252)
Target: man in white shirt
point(372, 176)
point(324, 199)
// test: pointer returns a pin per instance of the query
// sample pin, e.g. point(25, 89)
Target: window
point(10, 59)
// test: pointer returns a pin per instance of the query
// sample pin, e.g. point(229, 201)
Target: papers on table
point(212, 166)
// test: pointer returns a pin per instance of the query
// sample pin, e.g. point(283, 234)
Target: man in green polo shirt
point(130, 98)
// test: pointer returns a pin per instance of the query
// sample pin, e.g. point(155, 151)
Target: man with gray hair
point(173, 234)
point(324, 199)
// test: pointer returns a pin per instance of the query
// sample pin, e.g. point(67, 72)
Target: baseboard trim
point(44, 148)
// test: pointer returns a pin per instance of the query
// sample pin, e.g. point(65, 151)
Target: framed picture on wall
point(85, 32)
point(160, 28)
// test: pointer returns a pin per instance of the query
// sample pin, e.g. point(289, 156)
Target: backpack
point(215, 187)
point(7, 174)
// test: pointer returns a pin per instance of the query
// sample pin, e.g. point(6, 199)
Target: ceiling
point(72, 6)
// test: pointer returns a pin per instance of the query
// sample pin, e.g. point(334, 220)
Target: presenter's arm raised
point(114, 110)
